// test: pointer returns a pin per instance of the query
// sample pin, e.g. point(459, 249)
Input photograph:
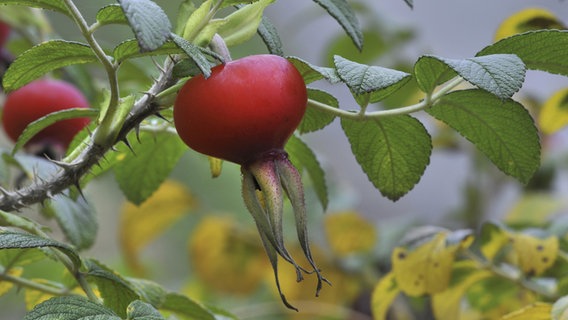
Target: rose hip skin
point(4, 33)
point(247, 107)
point(37, 99)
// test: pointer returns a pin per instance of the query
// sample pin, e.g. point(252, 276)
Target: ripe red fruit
point(245, 108)
point(4, 33)
point(38, 99)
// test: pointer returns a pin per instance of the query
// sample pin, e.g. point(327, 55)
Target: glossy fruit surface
point(4, 33)
point(246, 108)
point(38, 99)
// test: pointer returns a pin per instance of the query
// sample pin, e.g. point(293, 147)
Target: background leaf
point(383, 296)
point(148, 21)
point(314, 119)
point(242, 24)
point(342, 12)
point(531, 18)
point(554, 112)
point(55, 5)
point(139, 225)
point(392, 151)
point(77, 219)
point(111, 14)
point(139, 173)
point(503, 130)
point(186, 308)
point(43, 58)
point(304, 158)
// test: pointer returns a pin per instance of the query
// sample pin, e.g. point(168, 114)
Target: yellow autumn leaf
point(535, 311)
point(532, 18)
point(5, 286)
point(532, 254)
point(493, 239)
point(226, 257)
point(428, 268)
point(533, 209)
point(139, 225)
point(349, 233)
point(447, 304)
point(383, 296)
point(554, 112)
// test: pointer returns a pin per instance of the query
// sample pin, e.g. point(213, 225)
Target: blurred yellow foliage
point(554, 113)
point(226, 257)
point(528, 19)
point(349, 233)
point(532, 254)
point(5, 286)
point(536, 311)
point(139, 225)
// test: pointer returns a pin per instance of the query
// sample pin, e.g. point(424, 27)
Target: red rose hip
point(37, 99)
point(245, 108)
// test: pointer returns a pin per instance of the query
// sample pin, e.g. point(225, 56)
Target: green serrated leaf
point(149, 291)
point(186, 308)
point(130, 49)
point(269, 35)
point(117, 292)
point(503, 130)
point(303, 157)
point(111, 14)
point(373, 82)
point(55, 5)
point(76, 218)
point(242, 24)
point(312, 73)
point(148, 21)
point(194, 53)
point(431, 72)
point(392, 151)
point(70, 308)
point(43, 58)
point(35, 127)
point(17, 240)
point(342, 12)
point(501, 74)
point(315, 119)
point(539, 50)
point(142, 171)
point(139, 310)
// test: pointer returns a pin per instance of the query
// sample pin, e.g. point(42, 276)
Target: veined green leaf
point(111, 14)
point(148, 21)
point(314, 119)
point(35, 127)
point(139, 310)
point(117, 292)
point(373, 82)
point(501, 74)
point(312, 73)
point(269, 35)
point(392, 151)
point(186, 308)
point(142, 171)
point(304, 158)
point(194, 53)
point(502, 129)
point(76, 218)
point(70, 308)
point(130, 49)
point(431, 72)
point(43, 58)
point(242, 24)
point(55, 5)
point(18, 240)
point(342, 12)
point(539, 50)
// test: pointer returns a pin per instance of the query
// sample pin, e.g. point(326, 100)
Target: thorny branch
point(71, 173)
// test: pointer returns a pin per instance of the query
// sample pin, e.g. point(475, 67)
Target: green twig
point(427, 102)
point(29, 284)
